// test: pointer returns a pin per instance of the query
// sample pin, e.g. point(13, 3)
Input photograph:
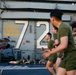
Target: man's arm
point(63, 45)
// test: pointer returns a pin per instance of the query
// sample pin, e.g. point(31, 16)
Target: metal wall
point(28, 22)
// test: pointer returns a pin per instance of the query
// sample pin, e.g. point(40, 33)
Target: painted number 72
point(39, 23)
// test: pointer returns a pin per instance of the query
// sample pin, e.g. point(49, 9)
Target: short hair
point(49, 34)
point(73, 24)
point(57, 14)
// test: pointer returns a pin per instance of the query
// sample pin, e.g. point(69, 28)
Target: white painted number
point(22, 33)
point(39, 23)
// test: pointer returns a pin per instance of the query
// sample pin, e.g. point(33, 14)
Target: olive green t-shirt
point(50, 44)
point(60, 53)
point(64, 30)
point(55, 36)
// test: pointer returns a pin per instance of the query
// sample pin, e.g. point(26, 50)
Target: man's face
point(74, 30)
point(47, 37)
point(54, 31)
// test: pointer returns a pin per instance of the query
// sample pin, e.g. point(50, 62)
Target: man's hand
point(46, 54)
point(47, 50)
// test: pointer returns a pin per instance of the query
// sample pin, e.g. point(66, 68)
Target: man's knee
point(47, 66)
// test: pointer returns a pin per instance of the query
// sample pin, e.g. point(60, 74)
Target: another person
point(73, 24)
point(42, 61)
point(29, 60)
point(65, 38)
point(22, 61)
point(74, 31)
point(51, 59)
point(59, 55)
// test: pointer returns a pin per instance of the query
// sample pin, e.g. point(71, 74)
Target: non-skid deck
point(24, 69)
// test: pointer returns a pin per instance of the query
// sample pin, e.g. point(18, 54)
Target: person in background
point(29, 60)
point(73, 25)
point(22, 61)
point(51, 59)
point(42, 61)
point(61, 55)
point(66, 44)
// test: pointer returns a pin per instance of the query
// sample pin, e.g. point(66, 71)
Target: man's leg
point(72, 72)
point(61, 71)
point(49, 68)
point(54, 66)
point(58, 61)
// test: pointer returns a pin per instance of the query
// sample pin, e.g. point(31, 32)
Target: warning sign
point(11, 30)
